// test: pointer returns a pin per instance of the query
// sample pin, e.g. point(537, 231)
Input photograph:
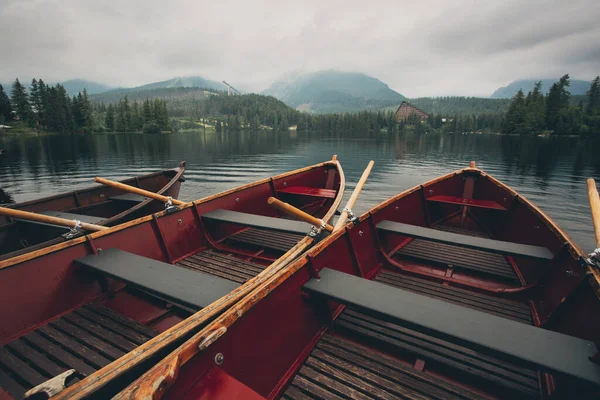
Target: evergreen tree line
point(537, 113)
point(149, 116)
point(51, 109)
point(47, 107)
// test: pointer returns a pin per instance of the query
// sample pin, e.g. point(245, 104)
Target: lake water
point(550, 172)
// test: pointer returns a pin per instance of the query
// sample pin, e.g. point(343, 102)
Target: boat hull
point(18, 237)
point(283, 340)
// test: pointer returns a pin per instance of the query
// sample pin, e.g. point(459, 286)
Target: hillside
point(163, 89)
point(577, 87)
point(187, 81)
point(334, 92)
point(460, 105)
point(75, 86)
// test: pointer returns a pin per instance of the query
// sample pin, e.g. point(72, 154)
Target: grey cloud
point(465, 47)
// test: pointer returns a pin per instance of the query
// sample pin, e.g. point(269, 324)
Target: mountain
point(75, 86)
point(577, 87)
point(334, 91)
point(187, 81)
point(160, 89)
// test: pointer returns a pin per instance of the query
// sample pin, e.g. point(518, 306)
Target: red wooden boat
point(110, 304)
point(458, 288)
point(99, 205)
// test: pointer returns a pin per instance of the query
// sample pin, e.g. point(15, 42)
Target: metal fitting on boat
point(314, 231)
point(351, 217)
point(74, 231)
point(594, 258)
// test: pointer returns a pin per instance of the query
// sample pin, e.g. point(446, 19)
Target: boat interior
point(99, 205)
point(85, 303)
point(459, 288)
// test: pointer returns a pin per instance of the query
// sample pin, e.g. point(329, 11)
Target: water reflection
point(549, 171)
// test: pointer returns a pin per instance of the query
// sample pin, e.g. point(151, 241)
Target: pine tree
point(147, 112)
point(514, 121)
point(35, 102)
point(109, 120)
point(136, 117)
point(20, 102)
point(5, 107)
point(557, 101)
point(535, 113)
point(593, 106)
point(42, 104)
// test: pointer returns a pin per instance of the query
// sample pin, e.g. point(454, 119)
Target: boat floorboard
point(477, 301)
point(85, 339)
point(459, 257)
point(222, 265)
point(460, 362)
point(338, 368)
point(267, 239)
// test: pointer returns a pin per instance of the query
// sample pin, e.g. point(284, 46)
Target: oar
point(141, 192)
point(299, 214)
point(354, 196)
point(29, 216)
point(595, 208)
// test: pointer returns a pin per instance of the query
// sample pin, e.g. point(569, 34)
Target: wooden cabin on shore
point(406, 110)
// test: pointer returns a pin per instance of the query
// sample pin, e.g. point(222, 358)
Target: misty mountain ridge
point(578, 87)
point(184, 81)
point(334, 91)
point(72, 86)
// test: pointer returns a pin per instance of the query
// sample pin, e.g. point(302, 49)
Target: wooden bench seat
point(462, 201)
point(521, 344)
point(129, 197)
point(182, 286)
point(309, 191)
point(471, 242)
point(258, 221)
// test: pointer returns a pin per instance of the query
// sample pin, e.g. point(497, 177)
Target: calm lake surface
point(551, 173)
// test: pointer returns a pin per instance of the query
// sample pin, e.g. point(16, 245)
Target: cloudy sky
point(419, 48)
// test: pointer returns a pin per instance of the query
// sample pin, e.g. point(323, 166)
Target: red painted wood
point(218, 384)
point(309, 191)
point(467, 202)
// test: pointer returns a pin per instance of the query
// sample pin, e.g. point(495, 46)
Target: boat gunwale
point(121, 365)
point(9, 262)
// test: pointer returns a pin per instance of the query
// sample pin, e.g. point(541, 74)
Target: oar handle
point(595, 208)
point(29, 216)
point(141, 192)
point(354, 196)
point(299, 214)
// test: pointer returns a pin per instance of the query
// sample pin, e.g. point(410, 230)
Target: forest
point(50, 108)
point(554, 113)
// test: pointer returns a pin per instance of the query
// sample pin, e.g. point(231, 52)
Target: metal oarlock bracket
point(314, 232)
point(74, 231)
point(593, 259)
point(351, 217)
point(169, 206)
